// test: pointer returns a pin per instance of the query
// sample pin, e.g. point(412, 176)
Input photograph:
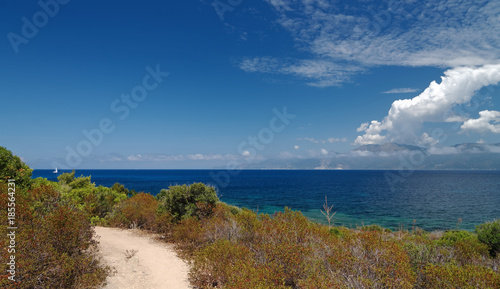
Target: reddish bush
point(138, 211)
point(54, 245)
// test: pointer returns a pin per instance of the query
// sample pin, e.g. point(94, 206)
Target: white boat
point(55, 172)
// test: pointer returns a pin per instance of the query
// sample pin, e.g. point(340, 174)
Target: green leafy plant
point(451, 237)
point(11, 167)
point(489, 234)
point(181, 201)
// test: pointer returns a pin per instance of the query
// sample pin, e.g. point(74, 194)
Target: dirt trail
point(139, 261)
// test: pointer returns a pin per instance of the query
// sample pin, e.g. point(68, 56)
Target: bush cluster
point(229, 247)
point(489, 233)
point(54, 243)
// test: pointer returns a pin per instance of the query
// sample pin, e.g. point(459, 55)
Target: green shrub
point(338, 231)
point(119, 188)
point(181, 201)
point(451, 237)
point(11, 167)
point(489, 234)
point(83, 194)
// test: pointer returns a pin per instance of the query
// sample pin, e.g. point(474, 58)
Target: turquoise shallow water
point(434, 199)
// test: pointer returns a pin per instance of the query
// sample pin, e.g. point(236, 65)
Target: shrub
point(119, 188)
point(188, 236)
point(339, 232)
point(489, 234)
point(451, 237)
point(97, 202)
point(137, 212)
point(11, 167)
point(181, 201)
point(54, 248)
point(375, 228)
point(453, 276)
point(221, 263)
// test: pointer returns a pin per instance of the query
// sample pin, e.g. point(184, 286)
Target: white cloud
point(319, 73)
point(360, 34)
point(426, 140)
point(488, 121)
point(401, 90)
point(324, 152)
point(406, 116)
point(333, 140)
point(259, 64)
point(246, 153)
point(329, 140)
point(311, 139)
point(188, 157)
point(296, 147)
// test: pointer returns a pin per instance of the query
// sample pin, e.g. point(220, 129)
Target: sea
point(431, 200)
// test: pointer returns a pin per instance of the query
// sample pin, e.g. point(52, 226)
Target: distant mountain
point(388, 148)
point(392, 156)
point(477, 147)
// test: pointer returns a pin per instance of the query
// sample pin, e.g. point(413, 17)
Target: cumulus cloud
point(406, 116)
point(324, 152)
point(488, 121)
point(296, 147)
point(426, 140)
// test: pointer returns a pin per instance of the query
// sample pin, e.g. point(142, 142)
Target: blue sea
point(433, 200)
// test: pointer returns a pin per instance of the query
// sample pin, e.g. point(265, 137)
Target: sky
point(214, 83)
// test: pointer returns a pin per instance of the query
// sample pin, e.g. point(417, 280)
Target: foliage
point(286, 250)
point(54, 244)
point(11, 167)
point(451, 237)
point(119, 188)
point(181, 201)
point(489, 234)
point(453, 276)
point(138, 211)
point(375, 228)
point(97, 202)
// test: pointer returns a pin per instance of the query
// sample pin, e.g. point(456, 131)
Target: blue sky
point(350, 72)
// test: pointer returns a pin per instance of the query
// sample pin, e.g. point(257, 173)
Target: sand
point(139, 261)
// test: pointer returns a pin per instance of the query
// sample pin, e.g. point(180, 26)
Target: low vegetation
point(53, 245)
point(230, 247)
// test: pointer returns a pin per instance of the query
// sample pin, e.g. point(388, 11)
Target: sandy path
point(154, 265)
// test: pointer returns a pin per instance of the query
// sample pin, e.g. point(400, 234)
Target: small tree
point(328, 212)
point(11, 167)
point(181, 201)
point(489, 234)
